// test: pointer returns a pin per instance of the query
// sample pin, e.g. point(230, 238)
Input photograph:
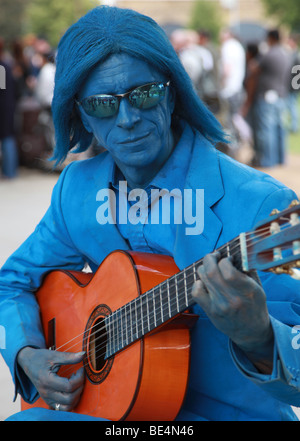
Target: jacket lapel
point(108, 235)
point(204, 173)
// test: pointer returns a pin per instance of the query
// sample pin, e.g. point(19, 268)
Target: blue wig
point(109, 30)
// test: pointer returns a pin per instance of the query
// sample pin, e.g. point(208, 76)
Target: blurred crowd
point(247, 86)
point(26, 129)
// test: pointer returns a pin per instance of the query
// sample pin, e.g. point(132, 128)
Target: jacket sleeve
point(47, 248)
point(283, 300)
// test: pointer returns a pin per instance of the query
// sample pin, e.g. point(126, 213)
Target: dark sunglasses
point(142, 97)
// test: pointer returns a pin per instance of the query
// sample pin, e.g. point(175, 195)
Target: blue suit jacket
point(223, 384)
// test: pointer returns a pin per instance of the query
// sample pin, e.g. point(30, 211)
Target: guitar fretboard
point(158, 305)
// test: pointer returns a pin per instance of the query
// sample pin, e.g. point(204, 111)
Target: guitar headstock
point(274, 244)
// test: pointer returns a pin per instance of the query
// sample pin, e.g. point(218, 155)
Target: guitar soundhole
point(97, 367)
point(97, 345)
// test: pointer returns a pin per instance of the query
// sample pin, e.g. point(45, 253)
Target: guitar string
point(125, 331)
point(119, 310)
point(124, 306)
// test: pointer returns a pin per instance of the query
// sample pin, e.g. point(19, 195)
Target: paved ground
point(23, 202)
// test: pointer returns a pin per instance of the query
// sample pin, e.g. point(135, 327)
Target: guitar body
point(146, 380)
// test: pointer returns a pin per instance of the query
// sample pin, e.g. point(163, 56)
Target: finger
point(200, 294)
point(233, 277)
point(60, 358)
point(209, 272)
point(66, 385)
point(69, 393)
point(66, 402)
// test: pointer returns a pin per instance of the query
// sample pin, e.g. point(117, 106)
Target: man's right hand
point(42, 365)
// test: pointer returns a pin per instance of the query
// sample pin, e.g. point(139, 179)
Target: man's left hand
point(236, 305)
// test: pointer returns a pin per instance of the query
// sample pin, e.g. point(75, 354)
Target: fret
point(144, 300)
point(169, 301)
point(185, 288)
point(181, 292)
point(151, 311)
point(228, 249)
point(157, 303)
point(136, 319)
point(161, 303)
point(165, 301)
point(148, 319)
point(129, 325)
point(176, 292)
point(143, 314)
point(139, 318)
point(121, 328)
point(113, 322)
point(154, 308)
point(195, 274)
point(125, 326)
point(190, 277)
point(173, 304)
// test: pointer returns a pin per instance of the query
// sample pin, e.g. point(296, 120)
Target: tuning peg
point(294, 203)
point(295, 274)
point(284, 270)
point(274, 211)
point(295, 220)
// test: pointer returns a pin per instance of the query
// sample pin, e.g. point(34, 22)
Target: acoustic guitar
point(131, 318)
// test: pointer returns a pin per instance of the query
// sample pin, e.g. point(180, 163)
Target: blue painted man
point(243, 364)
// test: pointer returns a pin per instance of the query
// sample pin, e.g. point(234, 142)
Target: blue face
point(139, 140)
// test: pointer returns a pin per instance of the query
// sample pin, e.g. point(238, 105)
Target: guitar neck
point(158, 305)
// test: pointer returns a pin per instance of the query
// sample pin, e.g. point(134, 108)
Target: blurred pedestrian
point(293, 94)
point(196, 59)
point(45, 80)
point(22, 71)
point(268, 105)
point(9, 158)
point(232, 71)
point(209, 82)
point(250, 81)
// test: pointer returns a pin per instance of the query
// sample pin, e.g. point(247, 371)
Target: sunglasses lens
point(101, 106)
point(145, 97)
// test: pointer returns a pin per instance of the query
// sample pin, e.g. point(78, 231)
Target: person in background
point(196, 59)
point(232, 71)
point(45, 80)
point(9, 159)
point(293, 93)
point(268, 103)
point(210, 81)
